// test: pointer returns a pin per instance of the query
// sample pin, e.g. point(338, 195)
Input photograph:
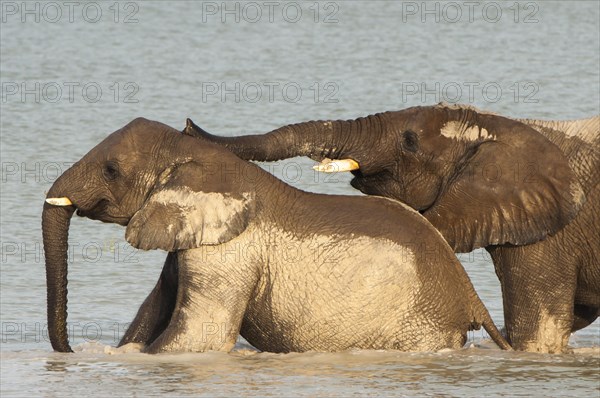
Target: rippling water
point(176, 60)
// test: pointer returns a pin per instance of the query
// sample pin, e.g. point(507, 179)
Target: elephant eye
point(110, 171)
point(410, 141)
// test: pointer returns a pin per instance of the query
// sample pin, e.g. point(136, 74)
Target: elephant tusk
point(64, 201)
point(336, 166)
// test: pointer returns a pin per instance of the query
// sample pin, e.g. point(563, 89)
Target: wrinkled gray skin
point(526, 190)
point(289, 270)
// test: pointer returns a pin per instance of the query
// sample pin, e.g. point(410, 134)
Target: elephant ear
point(515, 187)
point(186, 210)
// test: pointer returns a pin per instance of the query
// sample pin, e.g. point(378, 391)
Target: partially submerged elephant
point(289, 270)
point(526, 190)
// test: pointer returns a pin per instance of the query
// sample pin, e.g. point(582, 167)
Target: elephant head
point(480, 178)
point(164, 186)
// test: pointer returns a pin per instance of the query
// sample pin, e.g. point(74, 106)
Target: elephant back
point(579, 140)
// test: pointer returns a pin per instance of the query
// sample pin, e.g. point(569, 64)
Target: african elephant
point(289, 270)
point(526, 190)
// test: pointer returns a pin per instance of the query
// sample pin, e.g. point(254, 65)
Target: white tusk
point(64, 201)
point(336, 166)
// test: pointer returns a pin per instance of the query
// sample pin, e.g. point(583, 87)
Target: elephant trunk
point(55, 229)
point(332, 139)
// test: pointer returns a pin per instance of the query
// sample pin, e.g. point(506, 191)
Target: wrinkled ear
point(186, 211)
point(516, 188)
point(193, 130)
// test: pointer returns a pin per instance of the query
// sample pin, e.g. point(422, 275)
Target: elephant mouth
point(382, 184)
point(370, 184)
point(101, 212)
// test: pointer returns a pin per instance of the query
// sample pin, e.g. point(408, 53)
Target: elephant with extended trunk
point(526, 190)
point(289, 270)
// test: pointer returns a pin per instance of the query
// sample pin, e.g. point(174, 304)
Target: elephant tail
point(495, 334)
point(492, 330)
